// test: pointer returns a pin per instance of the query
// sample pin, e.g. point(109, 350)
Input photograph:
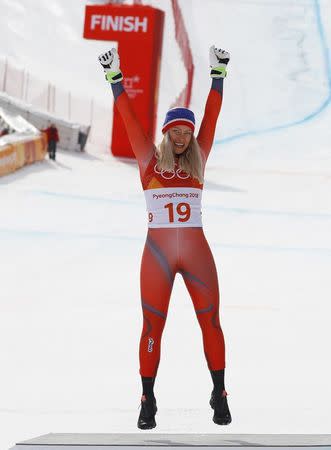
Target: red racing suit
point(175, 240)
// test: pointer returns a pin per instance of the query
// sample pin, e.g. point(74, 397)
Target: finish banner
point(138, 29)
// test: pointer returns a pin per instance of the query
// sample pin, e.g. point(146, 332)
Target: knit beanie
point(178, 116)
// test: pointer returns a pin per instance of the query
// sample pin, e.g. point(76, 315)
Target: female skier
point(172, 179)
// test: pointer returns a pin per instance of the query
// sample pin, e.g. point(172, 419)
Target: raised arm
point(218, 62)
point(142, 146)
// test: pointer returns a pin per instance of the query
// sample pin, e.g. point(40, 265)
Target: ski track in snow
point(312, 115)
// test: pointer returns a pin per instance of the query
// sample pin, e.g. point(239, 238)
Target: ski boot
point(146, 420)
point(220, 406)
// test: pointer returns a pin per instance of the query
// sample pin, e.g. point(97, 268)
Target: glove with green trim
point(218, 60)
point(110, 62)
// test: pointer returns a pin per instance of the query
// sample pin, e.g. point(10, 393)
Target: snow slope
point(72, 233)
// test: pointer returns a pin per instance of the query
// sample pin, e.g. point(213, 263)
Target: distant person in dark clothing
point(53, 139)
point(4, 131)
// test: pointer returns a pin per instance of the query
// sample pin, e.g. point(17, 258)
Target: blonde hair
point(190, 161)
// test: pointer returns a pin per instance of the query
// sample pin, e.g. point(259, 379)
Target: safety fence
point(40, 102)
point(73, 136)
point(25, 150)
point(182, 39)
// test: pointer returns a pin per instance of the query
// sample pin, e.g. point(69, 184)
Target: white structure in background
point(17, 123)
point(19, 129)
point(72, 136)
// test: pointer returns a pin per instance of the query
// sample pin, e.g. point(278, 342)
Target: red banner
point(17, 154)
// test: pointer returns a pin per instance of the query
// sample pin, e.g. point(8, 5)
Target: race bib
point(174, 207)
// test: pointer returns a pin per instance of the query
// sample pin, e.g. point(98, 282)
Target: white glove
point(110, 62)
point(218, 60)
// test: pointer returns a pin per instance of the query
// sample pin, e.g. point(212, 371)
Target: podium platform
point(85, 441)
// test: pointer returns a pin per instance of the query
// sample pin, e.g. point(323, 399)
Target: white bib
point(174, 207)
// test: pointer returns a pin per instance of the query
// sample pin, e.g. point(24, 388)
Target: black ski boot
point(146, 420)
point(220, 406)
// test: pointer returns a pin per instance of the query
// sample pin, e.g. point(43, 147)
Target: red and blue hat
point(178, 116)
